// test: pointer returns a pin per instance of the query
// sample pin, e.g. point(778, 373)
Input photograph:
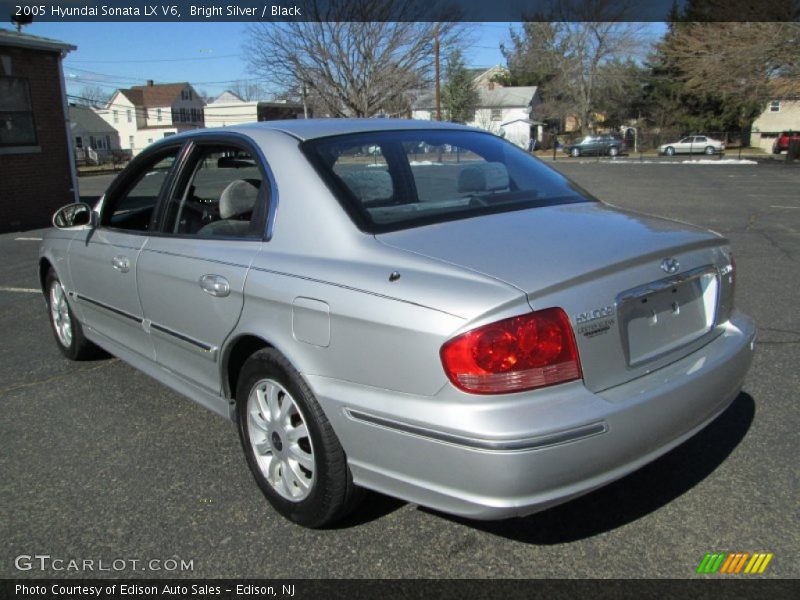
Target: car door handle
point(216, 285)
point(121, 264)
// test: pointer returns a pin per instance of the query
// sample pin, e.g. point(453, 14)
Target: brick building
point(37, 169)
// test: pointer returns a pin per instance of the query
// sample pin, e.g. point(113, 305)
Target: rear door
point(103, 261)
point(192, 274)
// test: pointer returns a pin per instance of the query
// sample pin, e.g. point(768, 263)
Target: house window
point(183, 115)
point(497, 114)
point(78, 141)
point(17, 127)
point(91, 142)
point(186, 94)
point(130, 116)
point(775, 106)
point(130, 141)
point(108, 142)
point(158, 115)
point(116, 116)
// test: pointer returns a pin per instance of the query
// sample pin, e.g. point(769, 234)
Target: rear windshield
point(394, 180)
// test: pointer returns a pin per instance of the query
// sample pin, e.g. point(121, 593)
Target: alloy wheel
point(280, 440)
point(59, 313)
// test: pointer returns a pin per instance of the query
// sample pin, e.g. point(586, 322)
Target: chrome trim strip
point(116, 311)
point(542, 441)
point(666, 283)
point(206, 349)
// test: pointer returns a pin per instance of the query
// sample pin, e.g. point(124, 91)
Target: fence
point(90, 156)
point(641, 142)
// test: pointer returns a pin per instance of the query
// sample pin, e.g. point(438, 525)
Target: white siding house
point(507, 111)
point(778, 116)
point(229, 109)
point(145, 113)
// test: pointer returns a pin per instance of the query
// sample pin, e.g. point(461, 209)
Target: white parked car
point(693, 144)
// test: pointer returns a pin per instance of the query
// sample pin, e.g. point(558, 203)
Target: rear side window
point(223, 196)
point(400, 179)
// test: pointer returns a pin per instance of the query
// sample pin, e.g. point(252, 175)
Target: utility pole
point(305, 106)
point(436, 68)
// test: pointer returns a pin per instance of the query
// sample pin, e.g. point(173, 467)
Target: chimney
point(149, 83)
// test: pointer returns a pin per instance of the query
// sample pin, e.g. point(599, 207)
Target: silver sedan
point(446, 320)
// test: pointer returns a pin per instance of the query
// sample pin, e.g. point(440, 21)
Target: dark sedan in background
point(593, 145)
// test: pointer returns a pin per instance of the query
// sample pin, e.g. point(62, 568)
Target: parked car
point(693, 144)
point(467, 334)
point(596, 145)
point(783, 140)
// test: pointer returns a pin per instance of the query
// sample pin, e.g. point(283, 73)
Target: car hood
point(538, 249)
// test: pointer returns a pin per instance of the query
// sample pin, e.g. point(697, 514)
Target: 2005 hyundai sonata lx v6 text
point(416, 308)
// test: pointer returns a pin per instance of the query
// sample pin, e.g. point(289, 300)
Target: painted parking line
point(20, 290)
point(28, 239)
point(781, 206)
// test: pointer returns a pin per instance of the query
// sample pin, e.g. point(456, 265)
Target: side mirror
point(74, 215)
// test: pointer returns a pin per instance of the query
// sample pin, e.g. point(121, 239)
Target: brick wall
point(34, 185)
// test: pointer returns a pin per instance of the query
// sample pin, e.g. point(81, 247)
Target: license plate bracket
point(660, 317)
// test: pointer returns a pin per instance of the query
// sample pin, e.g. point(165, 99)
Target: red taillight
point(512, 355)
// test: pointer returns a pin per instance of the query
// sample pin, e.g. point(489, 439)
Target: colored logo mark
point(731, 563)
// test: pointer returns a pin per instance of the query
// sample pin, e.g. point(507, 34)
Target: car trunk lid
point(603, 266)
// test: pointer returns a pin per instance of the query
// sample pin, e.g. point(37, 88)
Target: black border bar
point(700, 588)
point(153, 11)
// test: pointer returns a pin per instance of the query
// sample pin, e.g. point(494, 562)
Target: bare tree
point(356, 58)
point(248, 91)
point(92, 95)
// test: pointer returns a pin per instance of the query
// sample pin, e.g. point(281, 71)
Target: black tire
point(575, 152)
point(332, 495)
point(613, 151)
point(79, 348)
point(710, 150)
point(669, 151)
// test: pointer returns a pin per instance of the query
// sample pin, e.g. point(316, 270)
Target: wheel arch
point(237, 351)
point(44, 268)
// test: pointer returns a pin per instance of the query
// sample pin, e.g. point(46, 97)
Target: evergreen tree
point(459, 96)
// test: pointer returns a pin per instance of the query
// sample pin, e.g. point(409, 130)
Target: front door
point(192, 275)
point(103, 261)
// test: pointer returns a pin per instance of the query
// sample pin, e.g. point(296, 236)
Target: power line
point(152, 60)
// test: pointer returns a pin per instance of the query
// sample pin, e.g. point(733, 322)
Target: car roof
point(309, 129)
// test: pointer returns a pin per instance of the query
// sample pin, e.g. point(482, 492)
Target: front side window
point(222, 194)
point(131, 207)
point(17, 126)
point(400, 179)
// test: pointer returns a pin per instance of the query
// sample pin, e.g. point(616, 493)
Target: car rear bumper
point(503, 456)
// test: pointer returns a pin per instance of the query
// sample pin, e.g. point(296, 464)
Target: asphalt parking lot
point(98, 461)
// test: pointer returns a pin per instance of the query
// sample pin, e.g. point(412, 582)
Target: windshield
point(393, 180)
